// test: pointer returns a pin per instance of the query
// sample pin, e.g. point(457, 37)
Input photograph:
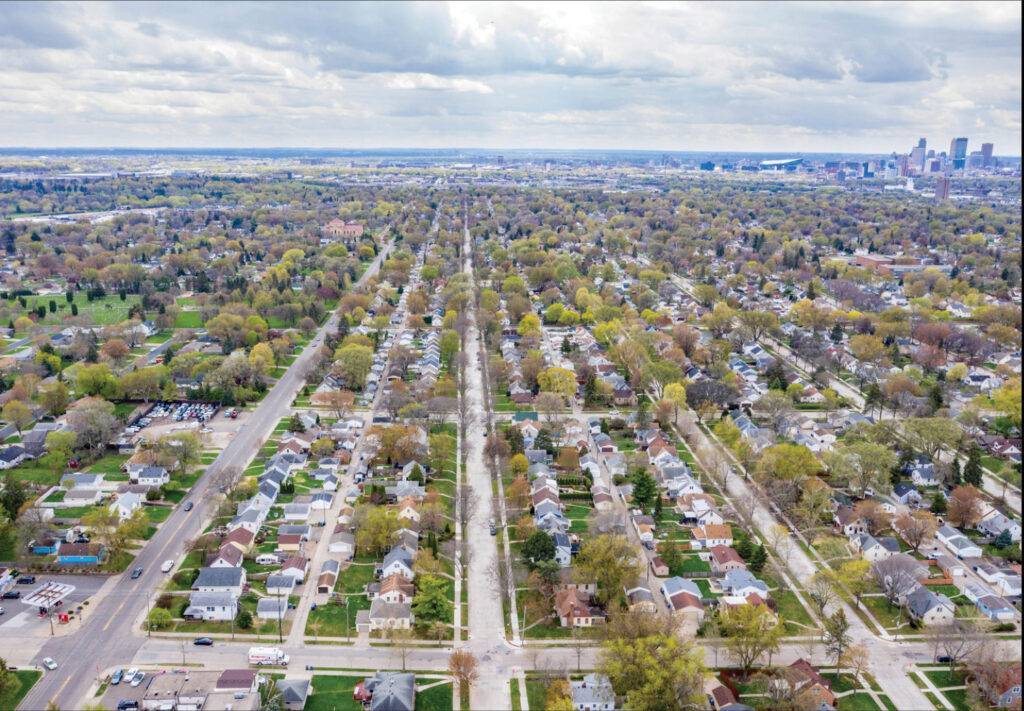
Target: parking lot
point(216, 425)
point(22, 615)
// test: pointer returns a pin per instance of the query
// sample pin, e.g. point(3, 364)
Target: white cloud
point(686, 76)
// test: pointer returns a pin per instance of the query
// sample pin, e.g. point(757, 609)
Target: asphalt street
point(110, 631)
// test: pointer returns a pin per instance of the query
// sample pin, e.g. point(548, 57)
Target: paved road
point(486, 621)
point(115, 619)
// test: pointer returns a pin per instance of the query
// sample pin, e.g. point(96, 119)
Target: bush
point(159, 618)
point(166, 601)
point(244, 619)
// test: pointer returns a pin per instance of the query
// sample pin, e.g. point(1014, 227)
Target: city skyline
point(849, 78)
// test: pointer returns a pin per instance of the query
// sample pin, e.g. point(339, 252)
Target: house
point(82, 497)
point(342, 542)
point(906, 494)
point(393, 588)
point(384, 615)
point(296, 512)
point(849, 523)
point(12, 455)
point(280, 584)
point(227, 556)
point(398, 560)
point(929, 608)
point(725, 559)
point(698, 509)
point(563, 549)
point(387, 691)
point(593, 693)
point(958, 544)
point(295, 567)
point(289, 542)
point(329, 570)
point(950, 566)
point(240, 538)
point(574, 609)
point(272, 608)
point(996, 608)
point(683, 597)
point(602, 497)
point(742, 583)
point(81, 554)
point(294, 693)
point(996, 522)
point(922, 473)
point(211, 606)
point(238, 680)
point(1008, 585)
point(704, 537)
point(220, 580)
point(152, 476)
point(873, 549)
point(1003, 685)
point(807, 683)
point(640, 598)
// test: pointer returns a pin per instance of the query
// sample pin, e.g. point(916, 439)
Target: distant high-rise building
point(942, 188)
point(917, 157)
point(986, 154)
point(958, 152)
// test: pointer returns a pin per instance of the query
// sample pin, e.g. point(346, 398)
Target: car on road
point(137, 679)
point(2, 610)
point(188, 505)
point(127, 705)
point(944, 659)
point(166, 566)
point(12, 595)
point(26, 580)
point(494, 527)
point(116, 677)
point(49, 663)
point(136, 573)
point(203, 641)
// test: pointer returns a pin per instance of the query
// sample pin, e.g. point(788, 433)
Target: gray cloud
point(786, 76)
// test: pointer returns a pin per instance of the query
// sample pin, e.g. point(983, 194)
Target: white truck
point(267, 657)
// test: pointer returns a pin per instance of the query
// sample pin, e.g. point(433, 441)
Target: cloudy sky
point(686, 76)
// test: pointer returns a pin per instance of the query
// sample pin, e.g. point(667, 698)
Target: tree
point(340, 402)
point(972, 473)
point(375, 528)
point(519, 464)
point(933, 434)
point(558, 696)
point(788, 462)
point(9, 681)
point(517, 494)
point(758, 558)
point(675, 393)
point(529, 326)
point(243, 620)
point(611, 561)
point(916, 527)
point(1007, 399)
point(144, 384)
point(867, 348)
point(655, 672)
point(874, 515)
point(750, 631)
point(560, 381)
point(710, 391)
point(14, 496)
point(821, 592)
point(440, 449)
point(645, 490)
point(854, 575)
point(896, 576)
point(965, 507)
point(261, 358)
point(759, 323)
point(862, 465)
point(92, 419)
point(60, 447)
point(836, 634)
point(96, 379)
point(462, 665)
point(54, 398)
point(158, 618)
point(352, 363)
point(431, 603)
point(537, 548)
point(18, 414)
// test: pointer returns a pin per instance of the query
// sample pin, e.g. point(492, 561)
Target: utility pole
point(280, 638)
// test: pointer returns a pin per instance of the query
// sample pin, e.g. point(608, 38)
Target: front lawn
point(24, 680)
point(333, 693)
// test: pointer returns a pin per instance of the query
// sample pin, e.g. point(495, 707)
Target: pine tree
point(972, 471)
point(758, 559)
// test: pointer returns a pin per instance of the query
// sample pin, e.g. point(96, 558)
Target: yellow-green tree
point(655, 672)
point(560, 381)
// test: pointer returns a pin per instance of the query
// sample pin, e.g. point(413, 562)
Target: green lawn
point(943, 677)
point(333, 693)
point(332, 620)
point(436, 698)
point(25, 679)
point(188, 319)
point(858, 702)
point(104, 311)
point(536, 693)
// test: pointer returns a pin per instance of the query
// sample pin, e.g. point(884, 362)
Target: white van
point(166, 566)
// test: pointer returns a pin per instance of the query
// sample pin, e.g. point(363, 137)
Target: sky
point(855, 77)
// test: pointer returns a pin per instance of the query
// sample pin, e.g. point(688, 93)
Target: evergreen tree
point(645, 490)
point(757, 559)
point(938, 506)
point(972, 471)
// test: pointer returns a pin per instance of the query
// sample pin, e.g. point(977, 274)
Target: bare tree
point(959, 640)
point(896, 576)
point(401, 639)
point(462, 665)
point(467, 503)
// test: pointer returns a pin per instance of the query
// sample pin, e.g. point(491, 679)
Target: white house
point(126, 504)
point(211, 606)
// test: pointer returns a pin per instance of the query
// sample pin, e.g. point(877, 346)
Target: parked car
point(49, 663)
point(26, 580)
point(203, 641)
point(127, 705)
point(137, 679)
point(136, 573)
point(116, 677)
point(12, 595)
point(2, 610)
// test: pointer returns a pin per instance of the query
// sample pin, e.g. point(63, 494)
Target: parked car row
point(179, 411)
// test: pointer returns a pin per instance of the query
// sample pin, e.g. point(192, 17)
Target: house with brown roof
point(395, 588)
point(713, 534)
point(724, 559)
point(227, 556)
point(805, 680)
point(240, 538)
point(574, 609)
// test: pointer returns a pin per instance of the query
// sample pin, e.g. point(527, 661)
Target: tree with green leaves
point(655, 672)
point(972, 470)
point(750, 631)
point(836, 635)
point(645, 490)
point(537, 548)
point(431, 603)
point(611, 561)
point(758, 558)
point(14, 495)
